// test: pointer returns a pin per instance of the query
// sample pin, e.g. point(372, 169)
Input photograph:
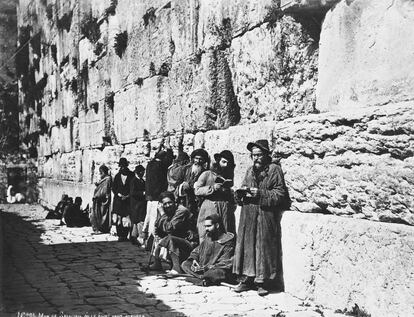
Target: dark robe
point(137, 200)
point(220, 202)
point(74, 216)
point(258, 248)
point(215, 258)
point(122, 207)
point(58, 212)
point(156, 176)
point(101, 216)
point(177, 232)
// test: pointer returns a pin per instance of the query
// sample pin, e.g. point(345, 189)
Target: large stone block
point(340, 262)
point(351, 164)
point(275, 78)
point(358, 64)
point(91, 127)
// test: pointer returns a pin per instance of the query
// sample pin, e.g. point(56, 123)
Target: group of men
point(184, 213)
point(70, 212)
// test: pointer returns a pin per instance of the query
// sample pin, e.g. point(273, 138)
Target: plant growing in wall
point(74, 85)
point(95, 106)
point(121, 42)
point(43, 127)
point(49, 11)
point(149, 16)
point(90, 28)
point(65, 22)
point(112, 8)
point(22, 56)
point(109, 100)
point(139, 81)
point(64, 122)
point(98, 48)
point(36, 44)
point(53, 52)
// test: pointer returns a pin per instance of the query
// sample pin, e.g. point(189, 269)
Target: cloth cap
point(200, 152)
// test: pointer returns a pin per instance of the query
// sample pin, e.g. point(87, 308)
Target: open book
point(227, 183)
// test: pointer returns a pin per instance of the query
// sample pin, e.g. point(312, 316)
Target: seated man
point(74, 215)
point(58, 212)
point(175, 232)
point(212, 260)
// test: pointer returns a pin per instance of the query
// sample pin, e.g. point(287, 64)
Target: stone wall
point(319, 79)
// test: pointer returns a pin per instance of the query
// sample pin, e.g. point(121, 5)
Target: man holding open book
point(214, 186)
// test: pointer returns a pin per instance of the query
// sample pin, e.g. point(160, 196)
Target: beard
point(124, 171)
point(196, 169)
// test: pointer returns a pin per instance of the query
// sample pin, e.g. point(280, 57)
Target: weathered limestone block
point(141, 110)
point(221, 20)
point(71, 166)
point(55, 139)
point(357, 62)
point(275, 78)
point(188, 97)
point(91, 127)
point(202, 95)
point(149, 50)
point(88, 165)
point(358, 164)
point(339, 262)
point(306, 5)
point(184, 25)
point(125, 115)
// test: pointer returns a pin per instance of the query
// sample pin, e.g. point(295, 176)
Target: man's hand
point(254, 191)
point(185, 186)
point(217, 187)
point(113, 231)
point(160, 209)
point(195, 267)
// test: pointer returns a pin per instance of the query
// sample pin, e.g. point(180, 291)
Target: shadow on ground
point(81, 277)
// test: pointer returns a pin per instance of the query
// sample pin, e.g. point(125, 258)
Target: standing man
point(263, 192)
point(155, 184)
point(214, 186)
point(138, 202)
point(121, 189)
point(185, 191)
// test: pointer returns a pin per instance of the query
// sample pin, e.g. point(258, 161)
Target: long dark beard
point(226, 172)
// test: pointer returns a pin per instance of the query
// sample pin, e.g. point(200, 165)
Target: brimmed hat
point(226, 154)
point(261, 144)
point(200, 152)
point(123, 162)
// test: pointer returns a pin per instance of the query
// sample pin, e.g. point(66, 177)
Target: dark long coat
point(121, 207)
point(137, 200)
point(258, 249)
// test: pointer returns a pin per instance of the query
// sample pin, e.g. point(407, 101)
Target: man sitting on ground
point(58, 212)
point(176, 233)
point(212, 261)
point(74, 216)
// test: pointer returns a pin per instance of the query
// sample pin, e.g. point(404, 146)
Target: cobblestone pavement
point(52, 269)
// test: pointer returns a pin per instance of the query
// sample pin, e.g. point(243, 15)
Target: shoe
point(242, 287)
point(262, 291)
point(155, 267)
point(122, 239)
